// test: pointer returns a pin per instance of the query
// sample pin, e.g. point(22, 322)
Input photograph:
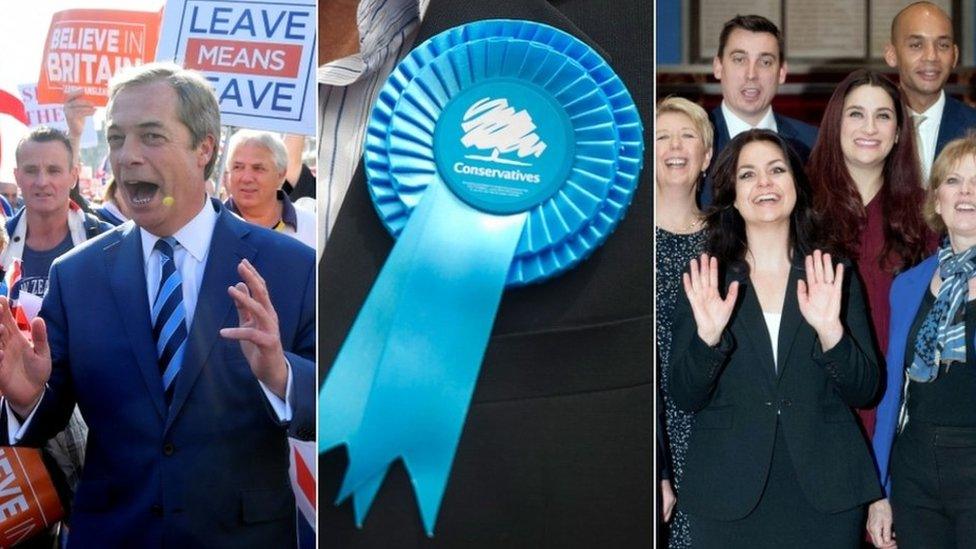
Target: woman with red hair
point(868, 190)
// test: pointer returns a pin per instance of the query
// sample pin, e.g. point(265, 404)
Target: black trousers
point(933, 486)
point(782, 519)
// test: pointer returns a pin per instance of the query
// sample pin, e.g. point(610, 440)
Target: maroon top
point(877, 285)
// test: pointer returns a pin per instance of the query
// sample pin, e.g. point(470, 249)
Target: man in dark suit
point(188, 431)
point(750, 66)
point(924, 51)
point(556, 449)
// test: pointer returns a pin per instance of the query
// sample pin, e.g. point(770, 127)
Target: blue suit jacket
point(800, 135)
point(957, 119)
point(212, 471)
point(906, 295)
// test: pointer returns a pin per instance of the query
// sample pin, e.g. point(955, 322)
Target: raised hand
point(258, 330)
point(820, 297)
point(25, 367)
point(76, 110)
point(711, 312)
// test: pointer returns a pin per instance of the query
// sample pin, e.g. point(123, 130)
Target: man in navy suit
point(924, 51)
point(750, 66)
point(188, 431)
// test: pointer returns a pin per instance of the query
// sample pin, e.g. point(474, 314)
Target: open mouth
point(751, 93)
point(768, 198)
point(867, 142)
point(676, 162)
point(965, 207)
point(140, 192)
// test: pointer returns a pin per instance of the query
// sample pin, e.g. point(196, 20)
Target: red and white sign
point(85, 48)
point(52, 114)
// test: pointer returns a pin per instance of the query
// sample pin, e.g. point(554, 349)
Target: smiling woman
point(682, 152)
point(867, 184)
point(768, 360)
point(927, 408)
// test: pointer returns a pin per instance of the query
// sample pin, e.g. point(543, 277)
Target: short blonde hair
point(693, 111)
point(951, 155)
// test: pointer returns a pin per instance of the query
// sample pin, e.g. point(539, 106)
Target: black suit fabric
point(748, 412)
point(800, 136)
point(556, 448)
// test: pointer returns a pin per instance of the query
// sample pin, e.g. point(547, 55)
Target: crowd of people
point(815, 304)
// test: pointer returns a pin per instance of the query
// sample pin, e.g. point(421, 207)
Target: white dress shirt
point(737, 125)
point(348, 88)
point(773, 321)
point(927, 135)
point(190, 256)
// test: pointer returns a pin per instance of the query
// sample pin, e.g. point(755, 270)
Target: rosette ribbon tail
point(402, 384)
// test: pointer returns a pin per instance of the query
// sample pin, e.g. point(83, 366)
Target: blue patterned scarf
point(942, 337)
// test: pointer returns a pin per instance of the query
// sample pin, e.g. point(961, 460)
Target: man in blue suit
point(924, 51)
point(188, 431)
point(750, 66)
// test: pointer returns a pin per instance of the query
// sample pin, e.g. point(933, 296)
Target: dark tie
point(169, 317)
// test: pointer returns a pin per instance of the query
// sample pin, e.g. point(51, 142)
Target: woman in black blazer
point(776, 458)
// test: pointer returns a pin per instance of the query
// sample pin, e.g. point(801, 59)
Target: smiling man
point(924, 51)
point(750, 66)
point(190, 367)
point(257, 164)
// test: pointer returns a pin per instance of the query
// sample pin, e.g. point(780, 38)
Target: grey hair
point(268, 140)
point(198, 109)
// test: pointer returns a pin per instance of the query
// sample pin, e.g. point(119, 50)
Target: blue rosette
point(567, 226)
point(499, 153)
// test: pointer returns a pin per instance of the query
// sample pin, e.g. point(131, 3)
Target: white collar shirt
point(927, 134)
point(737, 125)
point(190, 257)
point(348, 88)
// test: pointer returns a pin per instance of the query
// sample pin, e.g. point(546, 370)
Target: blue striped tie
point(169, 317)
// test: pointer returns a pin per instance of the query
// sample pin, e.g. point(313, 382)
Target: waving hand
point(820, 298)
point(711, 312)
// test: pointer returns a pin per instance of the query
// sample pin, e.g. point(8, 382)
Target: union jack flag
point(104, 170)
point(12, 280)
point(302, 473)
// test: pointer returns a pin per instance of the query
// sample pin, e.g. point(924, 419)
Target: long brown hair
point(836, 196)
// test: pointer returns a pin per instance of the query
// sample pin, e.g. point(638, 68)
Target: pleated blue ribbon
point(499, 153)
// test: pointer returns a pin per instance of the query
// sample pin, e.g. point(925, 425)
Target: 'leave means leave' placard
point(258, 55)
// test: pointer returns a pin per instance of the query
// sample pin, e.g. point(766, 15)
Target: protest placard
point(260, 57)
point(28, 501)
point(52, 114)
point(85, 48)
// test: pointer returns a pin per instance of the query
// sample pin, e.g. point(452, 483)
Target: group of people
point(815, 303)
